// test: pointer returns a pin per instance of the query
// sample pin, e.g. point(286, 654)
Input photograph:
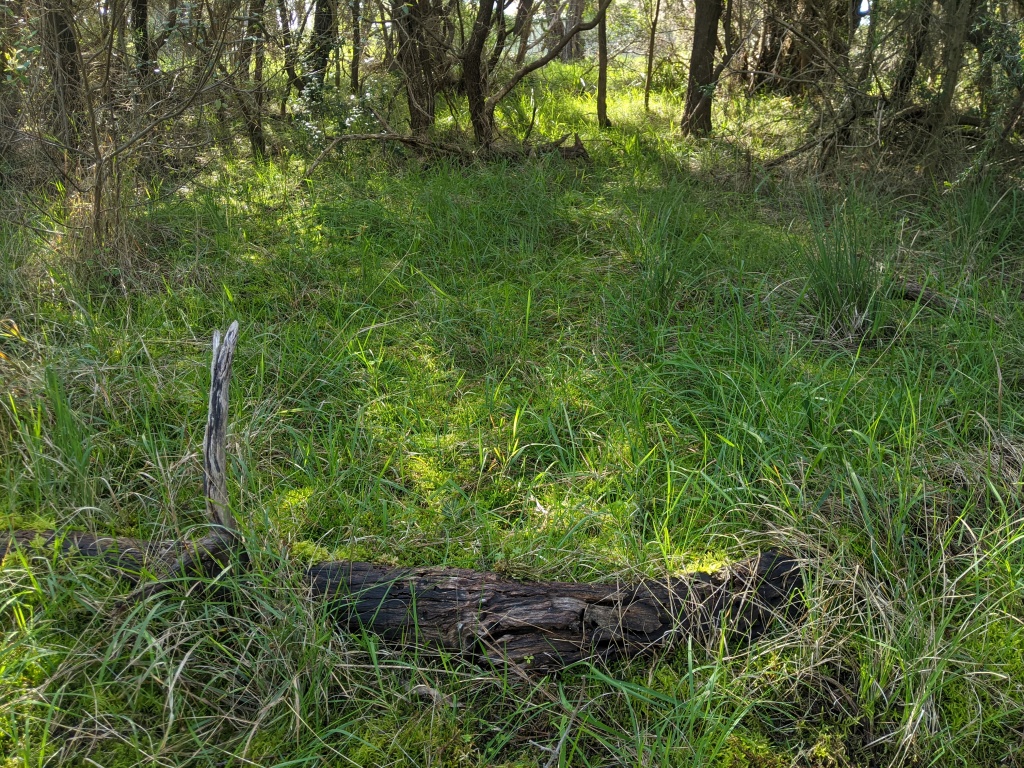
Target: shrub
point(844, 286)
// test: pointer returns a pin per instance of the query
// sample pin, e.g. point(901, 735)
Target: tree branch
point(550, 56)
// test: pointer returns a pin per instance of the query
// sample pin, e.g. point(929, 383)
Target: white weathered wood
point(215, 481)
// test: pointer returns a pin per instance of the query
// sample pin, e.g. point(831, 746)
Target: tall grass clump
point(844, 281)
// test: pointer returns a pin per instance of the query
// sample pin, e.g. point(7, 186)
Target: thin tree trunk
point(252, 37)
point(522, 27)
point(259, 144)
point(602, 73)
point(10, 93)
point(416, 62)
point(574, 15)
point(958, 15)
point(325, 30)
point(357, 46)
point(63, 57)
point(291, 58)
point(140, 41)
point(475, 75)
point(701, 83)
point(650, 55)
point(917, 41)
point(555, 25)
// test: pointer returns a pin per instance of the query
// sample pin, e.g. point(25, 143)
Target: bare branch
point(550, 56)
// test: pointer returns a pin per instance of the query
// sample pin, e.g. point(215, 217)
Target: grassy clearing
point(548, 370)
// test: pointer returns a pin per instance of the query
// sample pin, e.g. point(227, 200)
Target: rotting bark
point(537, 625)
point(534, 625)
point(926, 297)
point(211, 554)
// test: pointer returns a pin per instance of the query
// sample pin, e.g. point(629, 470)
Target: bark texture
point(701, 82)
point(538, 625)
point(602, 73)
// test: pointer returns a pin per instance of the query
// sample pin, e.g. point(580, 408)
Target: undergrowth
point(549, 370)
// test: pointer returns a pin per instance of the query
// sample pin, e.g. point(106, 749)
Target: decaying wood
point(926, 297)
point(545, 625)
point(215, 478)
point(537, 625)
point(212, 552)
point(130, 557)
point(434, 149)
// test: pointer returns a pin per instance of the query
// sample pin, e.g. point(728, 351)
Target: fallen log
point(926, 297)
point(537, 625)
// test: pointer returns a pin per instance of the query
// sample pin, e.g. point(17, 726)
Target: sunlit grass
point(551, 370)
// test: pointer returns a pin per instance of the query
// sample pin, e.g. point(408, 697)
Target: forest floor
point(553, 370)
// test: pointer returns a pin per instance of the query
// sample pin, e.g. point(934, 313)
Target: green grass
point(550, 370)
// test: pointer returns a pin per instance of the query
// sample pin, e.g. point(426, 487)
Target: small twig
point(320, 158)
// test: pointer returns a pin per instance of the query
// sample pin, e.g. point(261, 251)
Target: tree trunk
point(574, 15)
point(140, 41)
point(416, 61)
point(700, 86)
point(555, 25)
point(325, 30)
point(539, 626)
point(291, 59)
point(253, 101)
point(357, 47)
point(10, 92)
point(917, 41)
point(957, 18)
point(602, 73)
point(522, 27)
point(252, 37)
point(60, 46)
point(476, 77)
point(650, 55)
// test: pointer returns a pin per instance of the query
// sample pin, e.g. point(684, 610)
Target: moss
point(308, 552)
point(829, 751)
point(750, 751)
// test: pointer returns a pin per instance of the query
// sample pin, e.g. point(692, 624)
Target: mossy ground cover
point(547, 369)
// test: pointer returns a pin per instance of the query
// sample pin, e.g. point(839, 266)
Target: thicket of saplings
point(800, 333)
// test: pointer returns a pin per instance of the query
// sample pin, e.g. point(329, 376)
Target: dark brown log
point(130, 557)
point(546, 625)
point(536, 625)
point(926, 297)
